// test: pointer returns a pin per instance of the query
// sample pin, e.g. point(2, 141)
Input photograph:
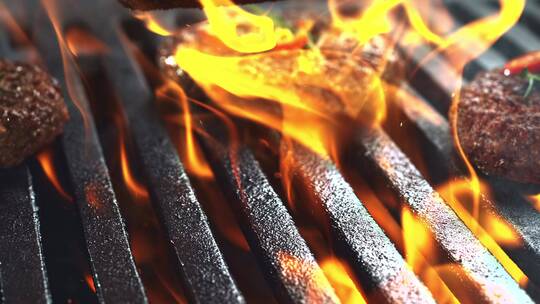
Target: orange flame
point(296, 268)
point(195, 162)
point(90, 282)
point(418, 242)
point(45, 159)
point(80, 42)
point(493, 231)
point(535, 200)
point(71, 69)
point(152, 23)
point(135, 187)
point(342, 283)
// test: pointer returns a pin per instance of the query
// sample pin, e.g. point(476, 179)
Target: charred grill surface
point(509, 203)
point(23, 278)
point(449, 231)
point(114, 272)
point(374, 258)
point(270, 230)
point(201, 261)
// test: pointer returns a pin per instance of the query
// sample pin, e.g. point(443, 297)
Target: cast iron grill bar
point(23, 278)
point(510, 205)
point(373, 256)
point(201, 261)
point(449, 231)
point(289, 265)
point(532, 11)
point(517, 40)
point(114, 272)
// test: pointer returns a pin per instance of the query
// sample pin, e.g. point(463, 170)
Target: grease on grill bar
point(202, 264)
point(114, 272)
point(23, 278)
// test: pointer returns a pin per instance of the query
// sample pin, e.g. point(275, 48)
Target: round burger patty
point(499, 128)
point(32, 111)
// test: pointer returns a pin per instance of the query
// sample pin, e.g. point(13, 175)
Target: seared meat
point(32, 111)
point(499, 128)
point(342, 78)
point(167, 4)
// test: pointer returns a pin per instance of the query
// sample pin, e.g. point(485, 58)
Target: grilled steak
point(341, 81)
point(499, 128)
point(32, 111)
point(168, 4)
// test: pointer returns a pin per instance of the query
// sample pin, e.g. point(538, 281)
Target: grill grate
point(269, 228)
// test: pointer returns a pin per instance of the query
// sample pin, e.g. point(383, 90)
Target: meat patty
point(32, 111)
point(168, 4)
point(499, 128)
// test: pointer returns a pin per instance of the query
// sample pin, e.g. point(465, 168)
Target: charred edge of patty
point(32, 111)
point(499, 128)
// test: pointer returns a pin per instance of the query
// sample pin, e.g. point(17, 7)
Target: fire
point(152, 23)
point(80, 42)
point(298, 91)
point(295, 268)
point(344, 286)
point(135, 187)
point(71, 69)
point(90, 282)
point(535, 200)
point(419, 252)
point(46, 162)
point(489, 229)
point(240, 30)
point(195, 162)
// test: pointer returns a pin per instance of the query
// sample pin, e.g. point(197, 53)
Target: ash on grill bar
point(319, 151)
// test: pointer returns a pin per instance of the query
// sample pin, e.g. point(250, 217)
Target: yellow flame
point(152, 23)
point(195, 162)
point(240, 30)
point(419, 248)
point(342, 283)
point(497, 230)
point(373, 21)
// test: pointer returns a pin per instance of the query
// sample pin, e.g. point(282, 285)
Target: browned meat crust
point(499, 128)
point(32, 111)
point(168, 4)
point(347, 69)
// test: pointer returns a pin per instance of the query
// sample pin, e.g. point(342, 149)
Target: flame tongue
point(240, 30)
